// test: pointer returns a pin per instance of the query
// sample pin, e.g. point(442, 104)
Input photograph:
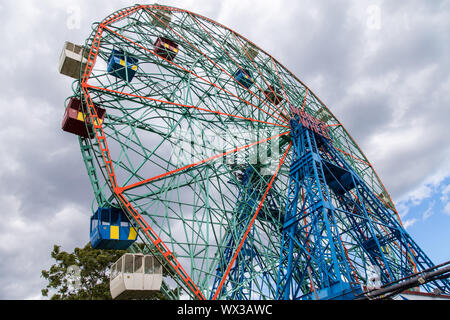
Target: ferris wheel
point(235, 175)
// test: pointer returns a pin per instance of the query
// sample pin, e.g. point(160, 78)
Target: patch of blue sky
point(427, 219)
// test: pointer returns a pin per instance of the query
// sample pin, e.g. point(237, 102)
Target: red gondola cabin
point(73, 121)
point(166, 48)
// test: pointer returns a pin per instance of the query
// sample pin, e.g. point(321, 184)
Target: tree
point(82, 274)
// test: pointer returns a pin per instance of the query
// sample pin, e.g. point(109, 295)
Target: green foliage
point(80, 275)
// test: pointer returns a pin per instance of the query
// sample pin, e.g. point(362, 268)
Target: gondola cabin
point(162, 18)
point(384, 197)
point(244, 77)
point(323, 115)
point(122, 65)
point(73, 60)
point(339, 179)
point(273, 95)
point(166, 48)
point(135, 276)
point(250, 51)
point(111, 229)
point(74, 119)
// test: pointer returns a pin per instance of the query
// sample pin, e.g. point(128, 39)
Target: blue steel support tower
point(335, 226)
point(240, 283)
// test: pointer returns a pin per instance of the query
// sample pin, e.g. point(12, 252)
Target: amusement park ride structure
point(305, 219)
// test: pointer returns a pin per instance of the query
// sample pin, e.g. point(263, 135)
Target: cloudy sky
point(382, 67)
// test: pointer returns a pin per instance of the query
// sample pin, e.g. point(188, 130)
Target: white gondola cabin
point(135, 276)
point(323, 115)
point(162, 18)
point(73, 60)
point(249, 50)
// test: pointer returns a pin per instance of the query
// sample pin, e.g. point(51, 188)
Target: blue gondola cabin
point(166, 48)
point(74, 119)
point(111, 229)
point(122, 66)
point(244, 77)
point(339, 179)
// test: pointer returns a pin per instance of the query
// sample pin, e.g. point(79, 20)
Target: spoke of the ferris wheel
point(183, 220)
point(217, 156)
point(265, 265)
point(167, 174)
point(191, 72)
point(182, 105)
point(179, 170)
point(203, 109)
point(220, 155)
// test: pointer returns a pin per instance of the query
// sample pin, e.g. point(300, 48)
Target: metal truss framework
point(219, 234)
point(335, 225)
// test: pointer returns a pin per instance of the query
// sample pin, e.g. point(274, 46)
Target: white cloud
point(26, 242)
point(447, 208)
point(425, 190)
point(403, 208)
point(429, 212)
point(445, 193)
point(409, 223)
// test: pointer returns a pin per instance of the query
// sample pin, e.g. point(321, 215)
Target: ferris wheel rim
point(85, 87)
